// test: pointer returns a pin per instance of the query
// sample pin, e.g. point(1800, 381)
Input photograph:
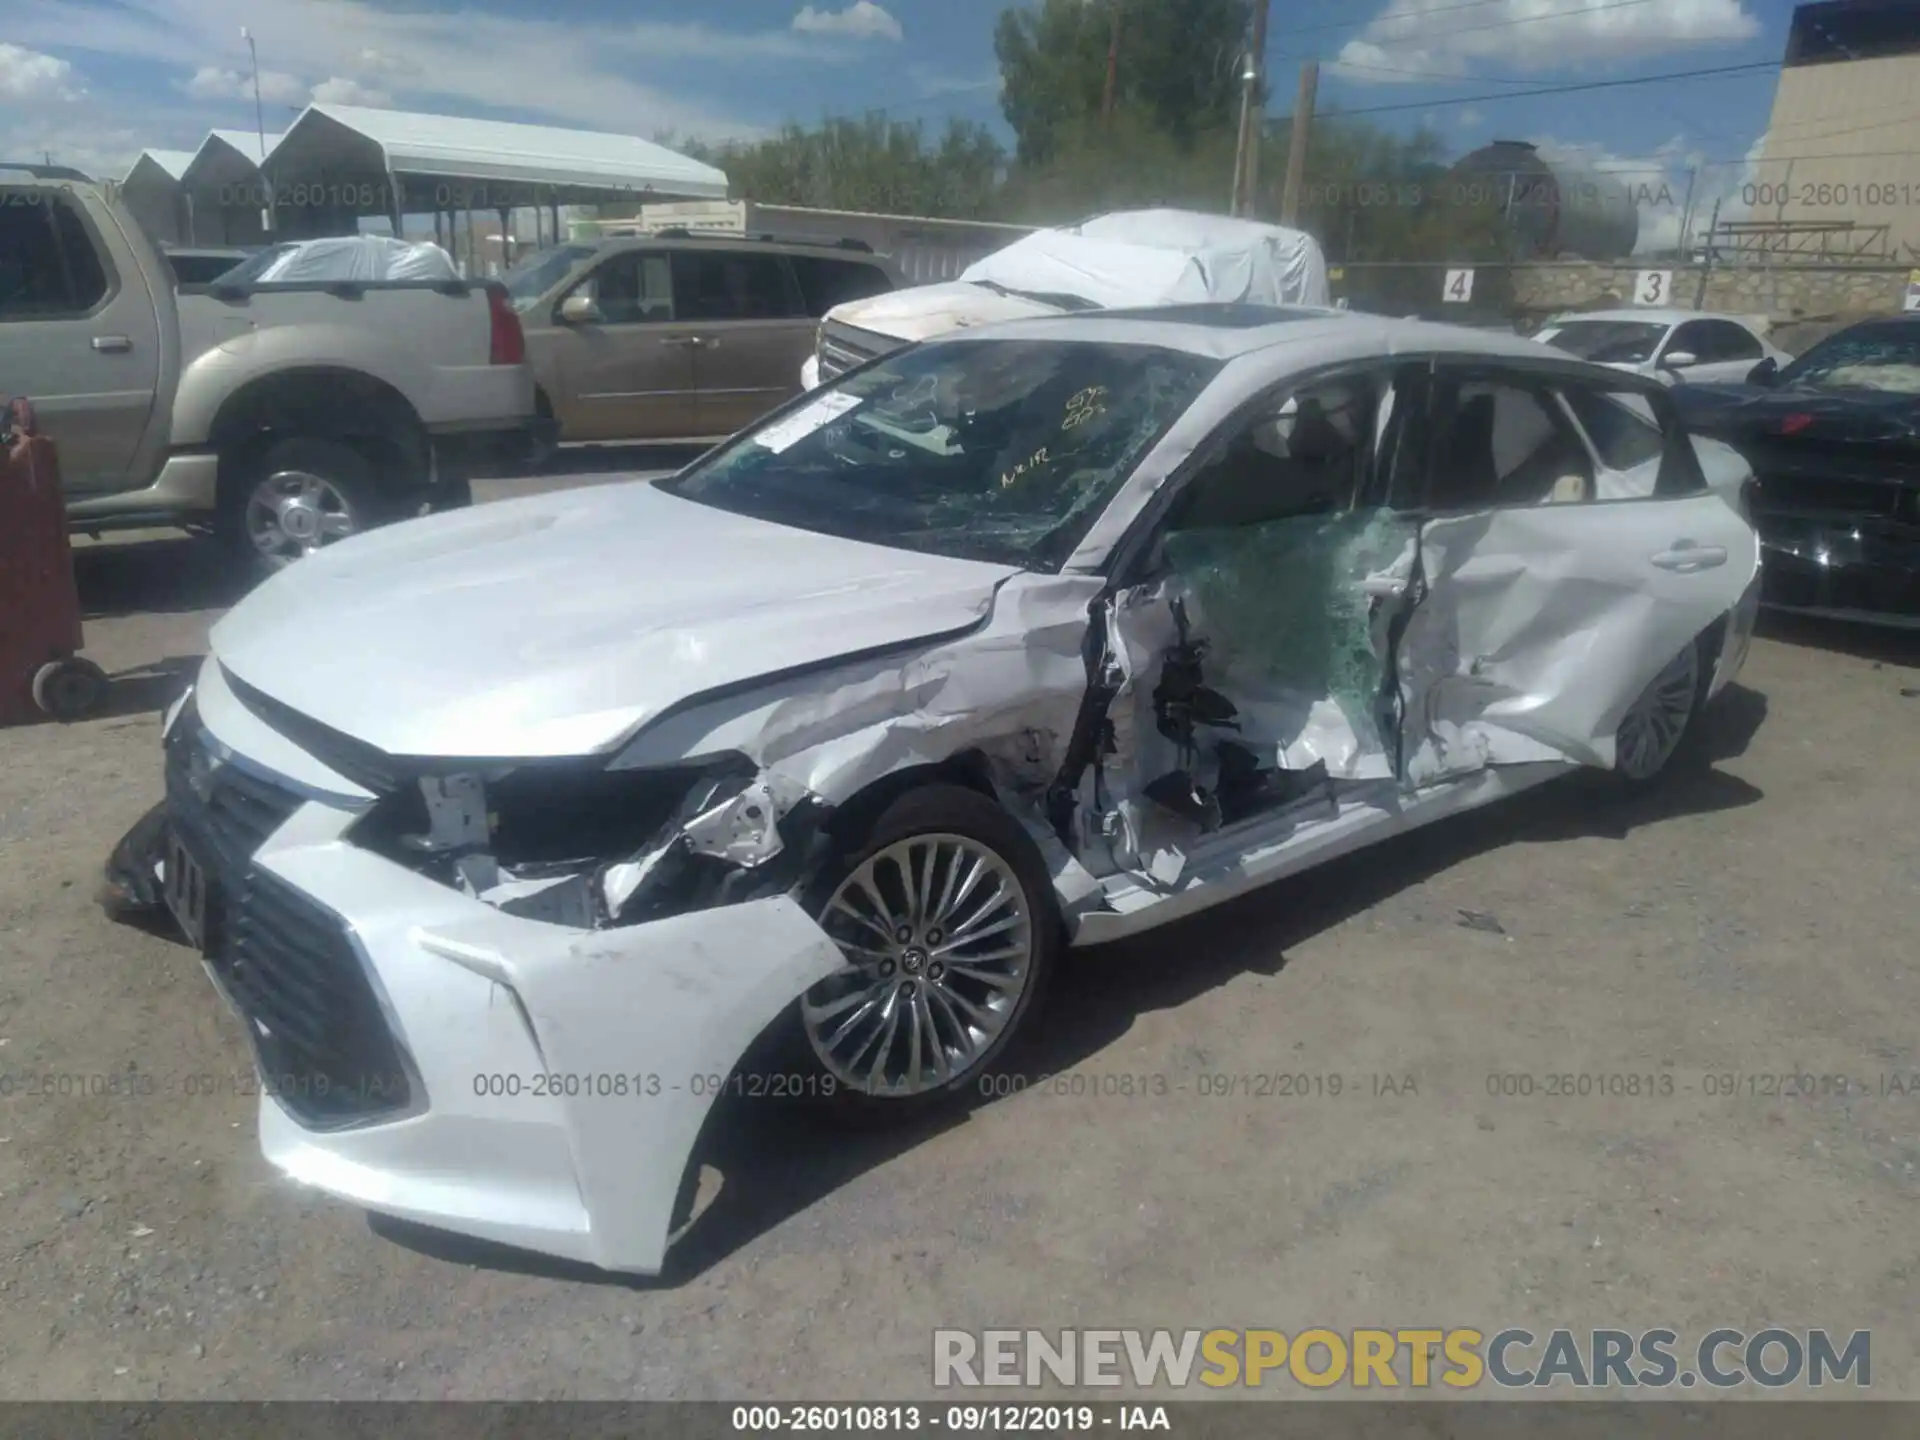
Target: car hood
point(923, 311)
point(558, 624)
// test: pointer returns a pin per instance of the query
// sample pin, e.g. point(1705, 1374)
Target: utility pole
point(1297, 142)
point(1113, 67)
point(1253, 115)
point(1706, 268)
point(259, 125)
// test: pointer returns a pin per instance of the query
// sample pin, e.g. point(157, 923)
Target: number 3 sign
point(1653, 287)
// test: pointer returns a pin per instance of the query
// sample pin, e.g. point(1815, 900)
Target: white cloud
point(862, 20)
point(1467, 117)
point(29, 75)
point(1415, 39)
point(595, 77)
point(277, 87)
point(339, 90)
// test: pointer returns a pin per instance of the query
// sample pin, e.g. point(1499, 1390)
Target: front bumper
point(544, 1085)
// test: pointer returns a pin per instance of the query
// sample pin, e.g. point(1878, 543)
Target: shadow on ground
point(775, 1160)
point(170, 574)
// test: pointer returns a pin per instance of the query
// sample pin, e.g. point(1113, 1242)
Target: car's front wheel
point(948, 922)
point(1662, 725)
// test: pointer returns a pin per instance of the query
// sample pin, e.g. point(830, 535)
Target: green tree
point(1178, 66)
point(868, 162)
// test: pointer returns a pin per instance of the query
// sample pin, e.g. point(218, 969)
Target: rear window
point(825, 283)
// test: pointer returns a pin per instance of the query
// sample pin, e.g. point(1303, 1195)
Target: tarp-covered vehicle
point(1127, 259)
point(825, 747)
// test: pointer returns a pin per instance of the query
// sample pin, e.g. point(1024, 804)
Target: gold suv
point(675, 336)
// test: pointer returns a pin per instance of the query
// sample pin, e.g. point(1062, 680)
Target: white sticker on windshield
point(785, 434)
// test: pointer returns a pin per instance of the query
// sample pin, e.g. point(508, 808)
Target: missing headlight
point(572, 844)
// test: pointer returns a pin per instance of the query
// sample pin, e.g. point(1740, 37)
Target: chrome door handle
point(112, 342)
point(1686, 557)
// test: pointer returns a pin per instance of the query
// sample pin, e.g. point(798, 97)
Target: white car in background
point(1127, 259)
point(1664, 345)
point(1031, 636)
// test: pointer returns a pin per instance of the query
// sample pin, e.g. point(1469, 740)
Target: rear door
point(1563, 564)
point(751, 333)
point(79, 339)
point(627, 374)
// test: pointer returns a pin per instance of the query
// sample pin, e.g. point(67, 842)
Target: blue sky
point(95, 81)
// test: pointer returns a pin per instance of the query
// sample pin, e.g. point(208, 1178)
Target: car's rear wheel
point(303, 494)
point(1661, 726)
point(947, 919)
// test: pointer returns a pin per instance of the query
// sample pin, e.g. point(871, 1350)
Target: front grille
point(367, 766)
point(226, 812)
point(844, 347)
point(323, 1045)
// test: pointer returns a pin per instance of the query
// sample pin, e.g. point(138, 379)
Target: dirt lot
point(1754, 921)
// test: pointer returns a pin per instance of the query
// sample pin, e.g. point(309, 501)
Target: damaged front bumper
point(434, 1057)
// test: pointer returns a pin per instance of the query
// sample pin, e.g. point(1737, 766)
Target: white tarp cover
point(359, 257)
point(1163, 257)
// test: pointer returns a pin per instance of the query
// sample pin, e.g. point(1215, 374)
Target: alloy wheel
point(293, 513)
point(939, 941)
point(1651, 729)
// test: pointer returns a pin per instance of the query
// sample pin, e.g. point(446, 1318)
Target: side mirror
point(580, 310)
point(1765, 372)
point(1678, 360)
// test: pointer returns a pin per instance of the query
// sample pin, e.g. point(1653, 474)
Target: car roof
point(1225, 332)
point(1651, 314)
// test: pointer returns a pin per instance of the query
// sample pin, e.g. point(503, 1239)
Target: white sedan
point(1665, 345)
point(512, 833)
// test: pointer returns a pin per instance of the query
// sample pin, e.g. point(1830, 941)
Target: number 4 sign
point(1458, 289)
point(1653, 287)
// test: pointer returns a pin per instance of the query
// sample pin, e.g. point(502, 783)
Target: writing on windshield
point(1001, 450)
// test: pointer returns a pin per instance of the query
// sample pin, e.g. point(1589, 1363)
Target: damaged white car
point(509, 832)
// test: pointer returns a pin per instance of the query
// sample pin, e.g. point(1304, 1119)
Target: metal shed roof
point(501, 162)
point(170, 163)
point(227, 157)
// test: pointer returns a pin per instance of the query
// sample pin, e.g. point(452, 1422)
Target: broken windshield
point(1000, 450)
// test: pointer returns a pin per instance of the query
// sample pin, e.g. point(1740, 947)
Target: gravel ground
point(1753, 921)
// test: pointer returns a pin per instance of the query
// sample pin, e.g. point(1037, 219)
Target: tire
point(69, 689)
point(972, 998)
point(1660, 733)
point(299, 496)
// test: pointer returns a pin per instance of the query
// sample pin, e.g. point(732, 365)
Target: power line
point(1560, 89)
point(1428, 74)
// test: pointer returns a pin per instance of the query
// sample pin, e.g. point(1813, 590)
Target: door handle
point(112, 342)
point(1688, 556)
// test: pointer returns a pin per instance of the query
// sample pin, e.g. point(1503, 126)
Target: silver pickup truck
point(281, 417)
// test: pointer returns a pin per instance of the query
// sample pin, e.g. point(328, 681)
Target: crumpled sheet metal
point(1553, 622)
point(1011, 689)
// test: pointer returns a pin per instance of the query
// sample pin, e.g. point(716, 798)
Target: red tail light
point(509, 344)
point(1794, 424)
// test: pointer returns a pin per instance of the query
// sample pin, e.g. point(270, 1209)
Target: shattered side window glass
point(1002, 450)
point(1286, 607)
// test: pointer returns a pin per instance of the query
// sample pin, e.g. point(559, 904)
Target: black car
point(1834, 441)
